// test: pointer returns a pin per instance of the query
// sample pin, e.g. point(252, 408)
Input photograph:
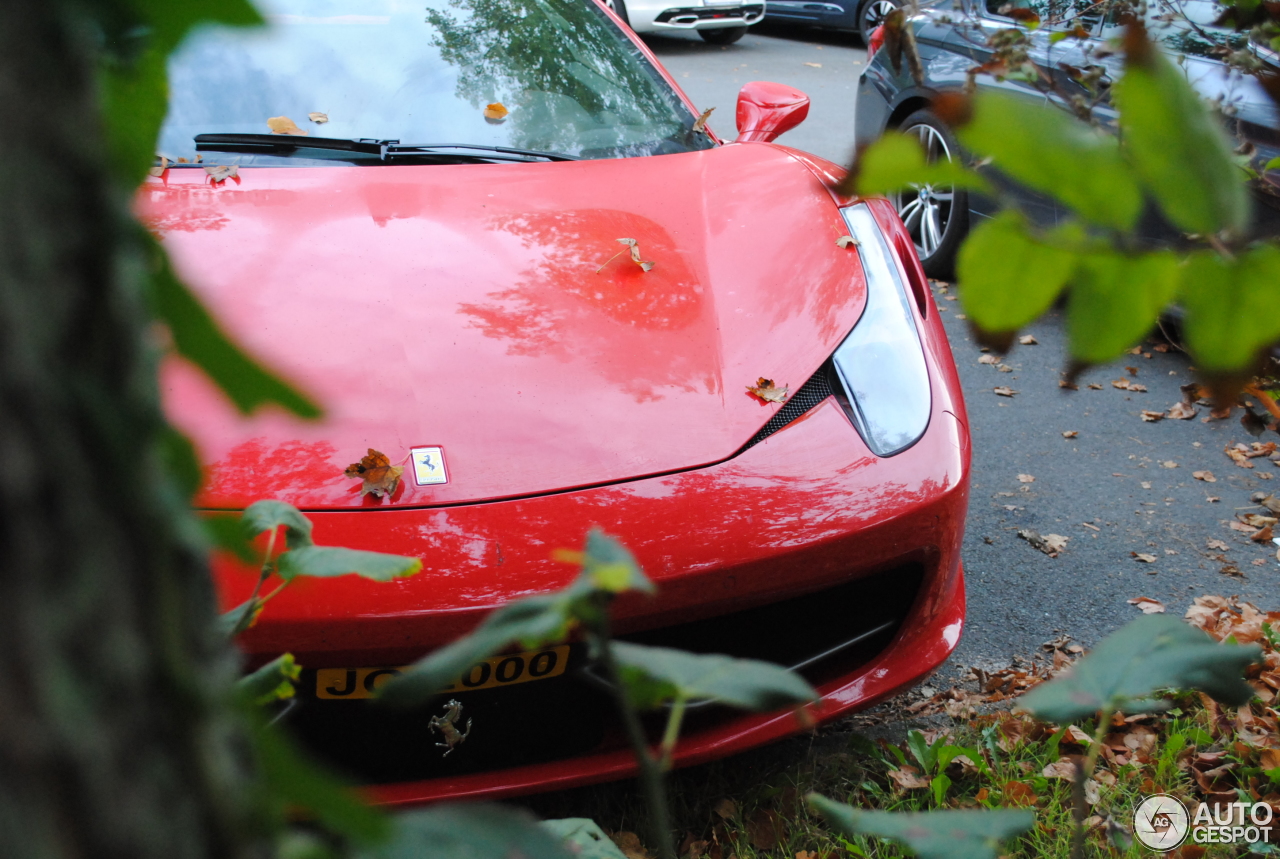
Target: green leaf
point(1005, 277)
point(226, 532)
point(1151, 653)
point(897, 161)
point(180, 459)
point(530, 622)
point(932, 835)
point(1051, 151)
point(198, 338)
point(659, 674)
point(1116, 299)
point(939, 785)
point(1230, 307)
point(1178, 147)
point(1273, 164)
point(290, 778)
point(470, 831)
point(584, 838)
point(262, 516)
point(610, 566)
point(330, 561)
point(229, 622)
point(272, 682)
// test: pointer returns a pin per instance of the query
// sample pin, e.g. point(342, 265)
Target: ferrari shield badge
point(428, 466)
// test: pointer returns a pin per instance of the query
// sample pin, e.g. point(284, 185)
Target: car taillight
point(876, 42)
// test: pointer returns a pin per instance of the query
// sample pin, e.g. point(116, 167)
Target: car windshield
point(553, 76)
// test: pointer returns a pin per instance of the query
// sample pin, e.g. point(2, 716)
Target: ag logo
point(1160, 822)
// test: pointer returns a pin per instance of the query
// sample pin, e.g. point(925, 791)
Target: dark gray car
point(954, 36)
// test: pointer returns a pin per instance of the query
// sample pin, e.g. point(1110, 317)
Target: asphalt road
point(1114, 475)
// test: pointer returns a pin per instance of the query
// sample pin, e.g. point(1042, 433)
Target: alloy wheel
point(874, 12)
point(926, 209)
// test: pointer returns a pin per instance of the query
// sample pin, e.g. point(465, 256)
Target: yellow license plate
point(352, 683)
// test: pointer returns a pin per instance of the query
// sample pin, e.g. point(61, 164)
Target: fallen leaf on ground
point(1146, 604)
point(1026, 478)
point(1257, 520)
point(814, 65)
point(1141, 389)
point(726, 808)
point(908, 778)
point(1133, 371)
point(1232, 570)
point(1181, 412)
point(1050, 544)
point(1094, 386)
point(1070, 386)
point(284, 125)
point(318, 118)
point(379, 475)
point(1070, 433)
point(1152, 417)
point(767, 391)
point(1267, 500)
point(1263, 536)
point(1004, 368)
point(988, 359)
point(765, 829)
point(222, 172)
point(629, 844)
point(1144, 557)
point(1206, 476)
point(1028, 340)
point(1161, 347)
point(846, 242)
point(1122, 384)
point(1219, 414)
point(700, 124)
point(1168, 463)
point(1004, 391)
point(1241, 527)
point(496, 111)
point(1063, 768)
point(1017, 793)
point(1217, 544)
point(1145, 484)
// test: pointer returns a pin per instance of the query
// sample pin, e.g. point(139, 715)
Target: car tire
point(619, 8)
point(936, 217)
point(723, 35)
point(871, 15)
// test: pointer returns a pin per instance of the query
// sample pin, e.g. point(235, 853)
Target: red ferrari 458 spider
point(500, 246)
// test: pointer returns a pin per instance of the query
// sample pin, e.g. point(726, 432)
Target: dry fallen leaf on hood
point(284, 125)
point(1152, 417)
point(1143, 557)
point(767, 391)
point(1028, 340)
point(158, 170)
point(222, 172)
point(379, 475)
point(1026, 478)
point(1004, 391)
point(700, 124)
point(318, 118)
point(1147, 605)
point(1070, 433)
point(1182, 412)
point(1206, 476)
point(1122, 384)
point(846, 242)
point(634, 248)
point(497, 111)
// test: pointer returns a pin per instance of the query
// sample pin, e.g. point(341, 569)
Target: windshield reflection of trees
point(644, 330)
point(572, 82)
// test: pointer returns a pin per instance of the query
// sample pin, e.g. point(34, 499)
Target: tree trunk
point(115, 735)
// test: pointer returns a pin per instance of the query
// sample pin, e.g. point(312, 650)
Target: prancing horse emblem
point(448, 726)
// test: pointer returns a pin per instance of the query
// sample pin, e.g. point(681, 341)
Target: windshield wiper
point(278, 144)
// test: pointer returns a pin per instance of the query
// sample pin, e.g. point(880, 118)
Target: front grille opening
point(821, 385)
point(823, 633)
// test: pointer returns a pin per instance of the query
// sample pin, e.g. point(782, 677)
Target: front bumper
point(807, 514)
point(695, 17)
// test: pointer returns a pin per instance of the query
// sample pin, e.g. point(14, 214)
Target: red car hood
point(481, 308)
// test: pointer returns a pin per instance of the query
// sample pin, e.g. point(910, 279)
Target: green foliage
point(225, 531)
point(1116, 299)
point(584, 838)
point(1230, 306)
point(471, 832)
point(1178, 147)
point(1000, 253)
point(932, 835)
point(291, 782)
point(268, 514)
point(607, 568)
point(897, 160)
point(197, 337)
point(1053, 152)
point(272, 682)
point(657, 675)
point(1152, 653)
point(329, 561)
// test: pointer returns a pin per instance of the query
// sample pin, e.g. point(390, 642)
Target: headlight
point(881, 363)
